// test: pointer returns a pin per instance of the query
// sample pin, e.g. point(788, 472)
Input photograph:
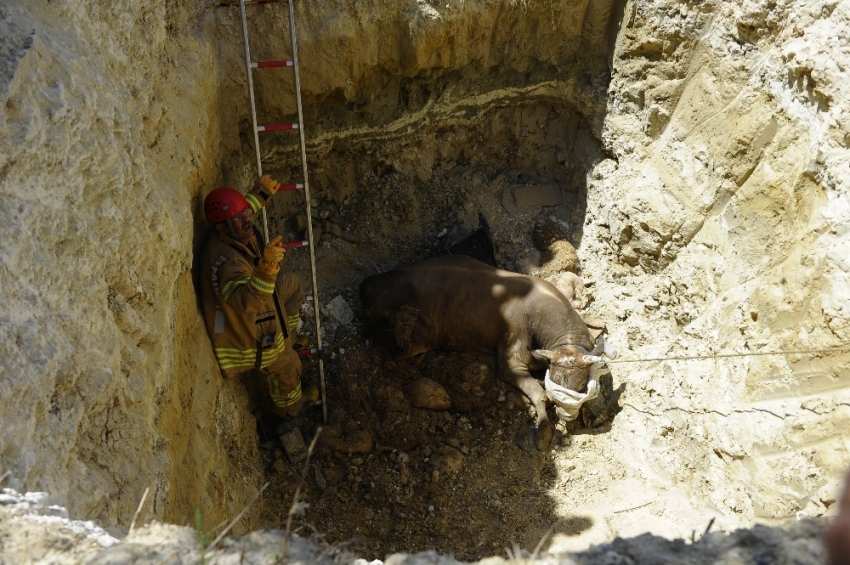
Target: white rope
point(569, 402)
point(726, 355)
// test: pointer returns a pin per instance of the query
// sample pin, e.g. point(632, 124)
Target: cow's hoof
point(527, 439)
point(544, 436)
point(535, 438)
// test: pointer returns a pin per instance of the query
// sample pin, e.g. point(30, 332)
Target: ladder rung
point(277, 127)
point(289, 244)
point(306, 352)
point(270, 64)
point(297, 186)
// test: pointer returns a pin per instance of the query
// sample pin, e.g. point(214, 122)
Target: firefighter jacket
point(242, 306)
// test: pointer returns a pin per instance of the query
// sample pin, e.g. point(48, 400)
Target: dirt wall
point(108, 384)
point(717, 226)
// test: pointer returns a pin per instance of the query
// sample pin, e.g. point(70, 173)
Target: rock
point(474, 375)
point(559, 256)
point(338, 310)
point(828, 493)
point(447, 459)
point(334, 473)
point(425, 393)
point(333, 229)
point(391, 400)
point(55, 511)
point(8, 499)
point(36, 499)
point(320, 479)
point(360, 441)
point(545, 234)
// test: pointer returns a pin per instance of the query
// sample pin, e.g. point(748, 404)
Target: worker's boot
point(301, 342)
point(292, 440)
point(310, 396)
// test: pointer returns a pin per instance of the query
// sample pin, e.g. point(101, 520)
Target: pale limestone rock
point(425, 393)
point(339, 310)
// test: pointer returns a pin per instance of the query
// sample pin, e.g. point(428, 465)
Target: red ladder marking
point(297, 186)
point(277, 127)
point(270, 64)
point(289, 244)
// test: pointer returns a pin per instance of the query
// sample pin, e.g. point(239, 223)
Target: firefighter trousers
point(281, 380)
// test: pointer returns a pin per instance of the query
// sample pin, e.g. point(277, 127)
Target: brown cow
point(455, 303)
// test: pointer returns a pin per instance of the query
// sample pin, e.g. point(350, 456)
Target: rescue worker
point(251, 308)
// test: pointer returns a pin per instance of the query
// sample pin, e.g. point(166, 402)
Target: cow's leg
point(404, 335)
point(410, 331)
point(516, 373)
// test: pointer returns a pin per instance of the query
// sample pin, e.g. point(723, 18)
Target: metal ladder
point(250, 66)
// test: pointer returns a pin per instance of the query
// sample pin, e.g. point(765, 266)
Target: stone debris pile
point(33, 530)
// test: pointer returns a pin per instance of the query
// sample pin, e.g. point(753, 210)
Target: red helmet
point(223, 203)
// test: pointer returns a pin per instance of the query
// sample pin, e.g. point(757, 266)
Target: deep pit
point(691, 152)
point(391, 200)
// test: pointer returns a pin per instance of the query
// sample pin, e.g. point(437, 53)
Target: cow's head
point(569, 365)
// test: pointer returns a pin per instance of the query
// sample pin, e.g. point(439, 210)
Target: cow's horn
point(600, 346)
point(588, 359)
point(544, 353)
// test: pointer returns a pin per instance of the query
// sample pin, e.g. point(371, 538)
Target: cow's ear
point(542, 355)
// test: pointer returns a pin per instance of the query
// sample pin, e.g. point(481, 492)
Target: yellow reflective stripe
point(282, 401)
point(262, 286)
point(229, 358)
point(229, 352)
point(292, 321)
point(231, 286)
point(255, 204)
point(237, 357)
point(227, 366)
point(270, 356)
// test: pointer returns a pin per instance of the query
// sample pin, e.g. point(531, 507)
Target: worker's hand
point(267, 182)
point(273, 254)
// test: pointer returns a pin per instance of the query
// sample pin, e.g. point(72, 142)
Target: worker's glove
point(272, 256)
point(267, 182)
